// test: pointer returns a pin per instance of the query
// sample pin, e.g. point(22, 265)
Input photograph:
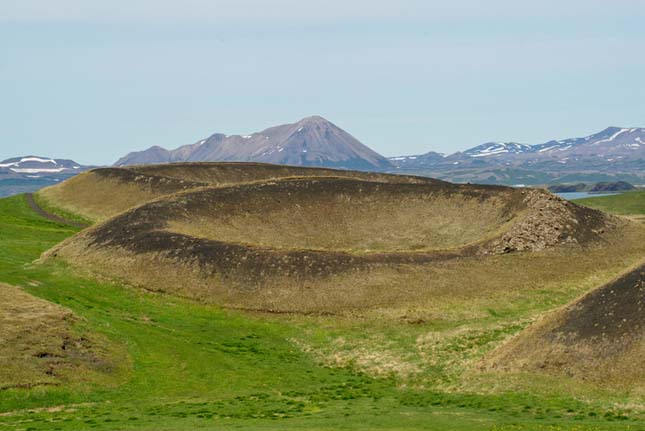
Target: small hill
point(106, 192)
point(38, 344)
point(312, 141)
point(599, 337)
point(321, 244)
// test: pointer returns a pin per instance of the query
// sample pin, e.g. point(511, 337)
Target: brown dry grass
point(367, 221)
point(38, 343)
point(100, 194)
point(103, 193)
point(599, 337)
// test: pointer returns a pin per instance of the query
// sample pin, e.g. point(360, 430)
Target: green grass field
point(179, 365)
point(629, 203)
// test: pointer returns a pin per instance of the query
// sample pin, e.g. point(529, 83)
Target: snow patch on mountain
point(612, 137)
point(37, 170)
point(36, 165)
point(496, 148)
point(27, 159)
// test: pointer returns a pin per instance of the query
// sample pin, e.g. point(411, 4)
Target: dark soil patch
point(598, 338)
point(614, 310)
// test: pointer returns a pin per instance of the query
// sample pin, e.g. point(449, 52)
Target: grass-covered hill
point(144, 360)
point(103, 193)
point(326, 244)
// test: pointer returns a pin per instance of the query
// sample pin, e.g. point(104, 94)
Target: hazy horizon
point(93, 82)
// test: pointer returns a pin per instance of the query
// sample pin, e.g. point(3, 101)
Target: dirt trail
point(49, 216)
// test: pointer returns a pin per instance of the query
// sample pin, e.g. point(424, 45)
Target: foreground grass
point(181, 365)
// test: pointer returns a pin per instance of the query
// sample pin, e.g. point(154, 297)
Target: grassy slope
point(188, 366)
point(630, 203)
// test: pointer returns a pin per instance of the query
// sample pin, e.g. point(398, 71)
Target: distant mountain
point(30, 173)
point(428, 159)
point(312, 141)
point(39, 166)
point(612, 154)
point(618, 186)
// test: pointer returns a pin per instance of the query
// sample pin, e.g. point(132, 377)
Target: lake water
point(579, 195)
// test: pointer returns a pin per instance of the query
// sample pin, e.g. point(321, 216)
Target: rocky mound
point(549, 221)
point(599, 337)
point(103, 193)
point(302, 244)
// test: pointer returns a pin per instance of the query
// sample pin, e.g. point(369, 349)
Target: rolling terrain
point(407, 353)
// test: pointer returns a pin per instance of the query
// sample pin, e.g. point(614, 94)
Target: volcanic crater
point(302, 244)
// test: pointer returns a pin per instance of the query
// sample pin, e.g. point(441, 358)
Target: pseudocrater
point(322, 244)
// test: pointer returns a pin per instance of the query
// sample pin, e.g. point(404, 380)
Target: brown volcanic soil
point(321, 244)
point(103, 193)
point(599, 337)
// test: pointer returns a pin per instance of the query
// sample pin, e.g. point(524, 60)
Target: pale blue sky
point(93, 80)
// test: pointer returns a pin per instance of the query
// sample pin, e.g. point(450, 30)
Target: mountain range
point(614, 153)
point(312, 141)
point(29, 173)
